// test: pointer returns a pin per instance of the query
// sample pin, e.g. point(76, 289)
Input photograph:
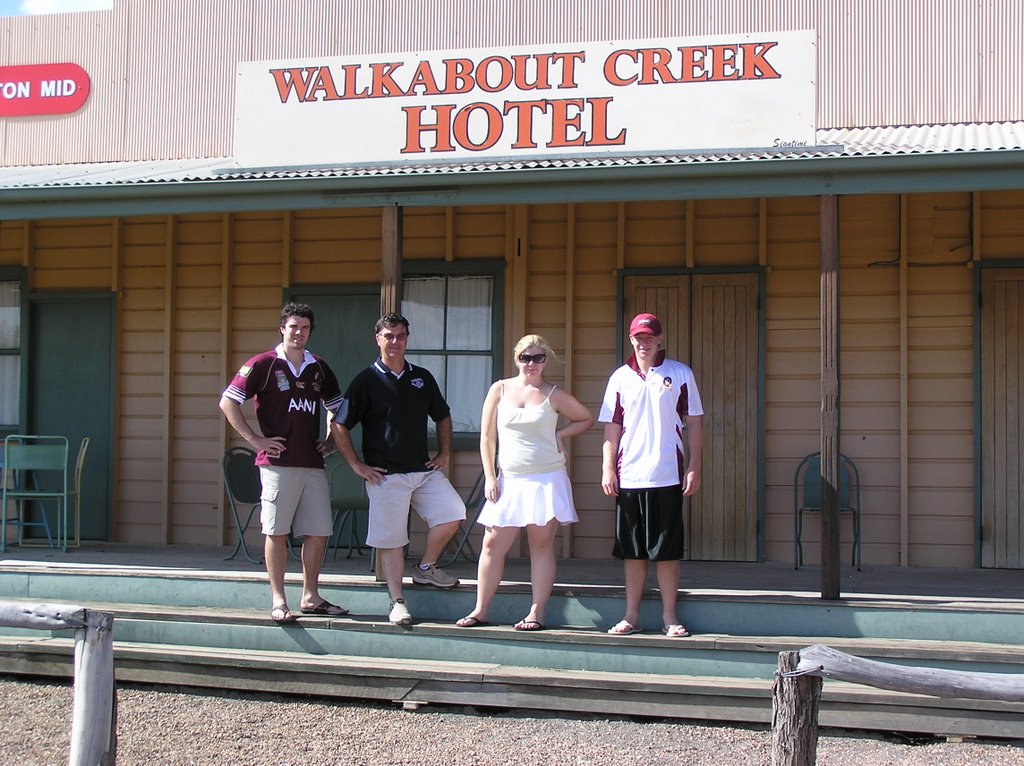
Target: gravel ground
point(169, 727)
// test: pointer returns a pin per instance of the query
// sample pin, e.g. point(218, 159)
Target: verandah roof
point(895, 159)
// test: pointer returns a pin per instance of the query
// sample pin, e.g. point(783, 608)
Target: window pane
point(10, 315)
point(10, 380)
point(469, 313)
point(423, 306)
point(469, 377)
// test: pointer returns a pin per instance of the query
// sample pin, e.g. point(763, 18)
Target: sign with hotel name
point(42, 89)
point(634, 97)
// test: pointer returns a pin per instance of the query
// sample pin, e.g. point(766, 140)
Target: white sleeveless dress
point(532, 480)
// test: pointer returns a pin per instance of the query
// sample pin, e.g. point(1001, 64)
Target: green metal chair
point(242, 482)
point(348, 500)
point(462, 544)
point(35, 469)
point(808, 477)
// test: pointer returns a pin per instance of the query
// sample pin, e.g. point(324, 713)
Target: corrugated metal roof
point(834, 142)
point(924, 139)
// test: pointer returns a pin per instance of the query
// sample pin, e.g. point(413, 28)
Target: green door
point(71, 391)
point(343, 330)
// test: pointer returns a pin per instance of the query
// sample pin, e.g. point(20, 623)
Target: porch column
point(391, 259)
point(829, 216)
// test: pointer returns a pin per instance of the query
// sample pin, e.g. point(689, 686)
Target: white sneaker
point(434, 576)
point(400, 613)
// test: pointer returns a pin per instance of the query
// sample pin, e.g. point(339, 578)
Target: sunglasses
point(538, 358)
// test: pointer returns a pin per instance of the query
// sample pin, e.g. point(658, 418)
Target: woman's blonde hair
point(533, 340)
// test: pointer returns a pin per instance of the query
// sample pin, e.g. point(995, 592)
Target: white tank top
point(526, 438)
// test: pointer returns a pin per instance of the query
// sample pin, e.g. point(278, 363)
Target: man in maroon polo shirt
point(289, 385)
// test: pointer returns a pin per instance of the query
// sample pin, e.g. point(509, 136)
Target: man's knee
point(448, 528)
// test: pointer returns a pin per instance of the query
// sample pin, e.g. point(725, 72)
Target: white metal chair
point(75, 493)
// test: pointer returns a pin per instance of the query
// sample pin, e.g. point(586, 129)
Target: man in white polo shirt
point(648, 403)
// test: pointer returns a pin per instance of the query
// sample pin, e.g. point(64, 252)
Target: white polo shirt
point(651, 411)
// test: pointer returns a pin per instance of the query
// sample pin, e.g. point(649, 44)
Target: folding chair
point(35, 468)
point(474, 505)
point(76, 491)
point(808, 474)
point(242, 482)
point(348, 498)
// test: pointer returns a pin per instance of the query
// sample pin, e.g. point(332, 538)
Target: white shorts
point(296, 500)
point(429, 493)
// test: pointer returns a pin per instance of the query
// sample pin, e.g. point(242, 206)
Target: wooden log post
point(794, 714)
point(827, 662)
point(93, 741)
point(94, 721)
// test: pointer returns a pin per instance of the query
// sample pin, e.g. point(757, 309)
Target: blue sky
point(27, 7)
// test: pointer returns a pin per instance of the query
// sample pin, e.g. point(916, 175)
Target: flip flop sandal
point(675, 631)
point(623, 628)
point(285, 617)
point(529, 625)
point(325, 609)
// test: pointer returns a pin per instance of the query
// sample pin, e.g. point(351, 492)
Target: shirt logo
point(667, 382)
point(244, 371)
point(417, 382)
point(282, 380)
point(302, 405)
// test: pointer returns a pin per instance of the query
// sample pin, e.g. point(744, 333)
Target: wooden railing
point(93, 737)
point(797, 691)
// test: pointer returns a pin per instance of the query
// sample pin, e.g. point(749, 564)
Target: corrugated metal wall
point(163, 74)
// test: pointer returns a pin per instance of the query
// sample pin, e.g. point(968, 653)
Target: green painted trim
point(977, 420)
point(785, 176)
point(762, 386)
point(17, 274)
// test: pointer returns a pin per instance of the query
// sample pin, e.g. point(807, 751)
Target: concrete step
point(571, 649)
point(716, 612)
point(414, 682)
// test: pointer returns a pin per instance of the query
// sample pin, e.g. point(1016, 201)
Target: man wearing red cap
point(648, 403)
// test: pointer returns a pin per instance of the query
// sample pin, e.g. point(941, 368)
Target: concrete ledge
point(416, 683)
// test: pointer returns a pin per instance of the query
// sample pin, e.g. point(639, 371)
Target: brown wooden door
point(710, 323)
point(1002, 419)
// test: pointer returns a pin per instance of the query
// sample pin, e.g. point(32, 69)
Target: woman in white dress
point(519, 426)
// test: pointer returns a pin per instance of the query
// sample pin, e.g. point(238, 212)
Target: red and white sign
point(634, 97)
point(38, 89)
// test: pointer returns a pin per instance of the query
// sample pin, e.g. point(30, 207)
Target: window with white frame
point(10, 352)
point(452, 326)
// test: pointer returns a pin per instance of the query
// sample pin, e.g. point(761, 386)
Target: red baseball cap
point(644, 323)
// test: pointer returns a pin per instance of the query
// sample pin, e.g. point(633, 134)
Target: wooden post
point(391, 236)
point(93, 739)
point(829, 397)
point(827, 662)
point(391, 259)
point(93, 724)
point(794, 715)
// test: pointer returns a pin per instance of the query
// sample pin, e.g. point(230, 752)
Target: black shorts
point(649, 524)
